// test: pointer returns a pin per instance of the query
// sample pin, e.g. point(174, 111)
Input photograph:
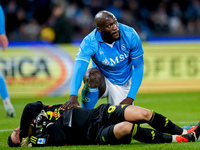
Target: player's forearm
point(137, 76)
point(80, 68)
point(136, 82)
point(30, 111)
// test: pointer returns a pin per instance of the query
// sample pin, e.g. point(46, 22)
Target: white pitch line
point(6, 130)
point(187, 122)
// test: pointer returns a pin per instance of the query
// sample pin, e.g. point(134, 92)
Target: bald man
point(117, 64)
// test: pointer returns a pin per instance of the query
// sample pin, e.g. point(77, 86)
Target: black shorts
point(107, 137)
point(102, 123)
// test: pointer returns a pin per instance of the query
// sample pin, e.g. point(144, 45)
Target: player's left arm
point(136, 55)
point(49, 135)
point(45, 132)
point(137, 76)
point(57, 136)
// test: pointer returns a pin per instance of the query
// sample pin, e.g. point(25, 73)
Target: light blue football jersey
point(2, 21)
point(114, 62)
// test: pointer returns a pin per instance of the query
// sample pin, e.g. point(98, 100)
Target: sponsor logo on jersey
point(41, 140)
point(116, 60)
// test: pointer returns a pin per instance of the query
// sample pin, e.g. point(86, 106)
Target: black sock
point(149, 136)
point(163, 124)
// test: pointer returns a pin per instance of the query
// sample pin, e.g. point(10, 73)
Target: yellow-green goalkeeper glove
point(25, 142)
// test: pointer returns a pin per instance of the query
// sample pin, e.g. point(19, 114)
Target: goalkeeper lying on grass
point(42, 125)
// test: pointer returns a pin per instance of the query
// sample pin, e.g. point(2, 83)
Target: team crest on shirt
point(123, 47)
point(101, 52)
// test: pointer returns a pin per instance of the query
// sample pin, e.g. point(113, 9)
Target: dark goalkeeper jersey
point(76, 126)
point(55, 134)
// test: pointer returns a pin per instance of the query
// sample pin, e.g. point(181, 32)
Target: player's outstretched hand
point(3, 41)
point(73, 101)
point(127, 100)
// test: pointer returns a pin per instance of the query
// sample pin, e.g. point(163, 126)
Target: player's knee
point(125, 128)
point(93, 78)
point(147, 114)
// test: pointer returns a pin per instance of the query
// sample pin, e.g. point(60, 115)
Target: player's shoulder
point(128, 34)
point(126, 30)
point(91, 37)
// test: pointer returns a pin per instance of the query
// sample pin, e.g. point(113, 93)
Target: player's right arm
point(80, 68)
point(82, 61)
point(30, 111)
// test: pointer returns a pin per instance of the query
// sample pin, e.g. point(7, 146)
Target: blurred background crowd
point(65, 21)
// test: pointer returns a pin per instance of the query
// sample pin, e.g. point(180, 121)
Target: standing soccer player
point(114, 49)
point(3, 88)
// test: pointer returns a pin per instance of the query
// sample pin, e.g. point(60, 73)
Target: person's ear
point(98, 29)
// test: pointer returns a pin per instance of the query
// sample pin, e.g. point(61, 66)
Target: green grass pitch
point(181, 108)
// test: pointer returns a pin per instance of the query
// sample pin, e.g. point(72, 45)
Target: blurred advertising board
point(36, 69)
point(40, 69)
point(171, 67)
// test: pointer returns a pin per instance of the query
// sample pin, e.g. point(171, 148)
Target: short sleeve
point(136, 46)
point(85, 51)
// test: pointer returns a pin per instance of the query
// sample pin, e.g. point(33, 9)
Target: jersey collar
point(98, 34)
